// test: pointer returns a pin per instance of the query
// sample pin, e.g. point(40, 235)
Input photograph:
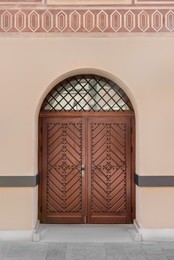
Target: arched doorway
point(87, 153)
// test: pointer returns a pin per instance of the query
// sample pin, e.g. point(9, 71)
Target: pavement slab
point(86, 251)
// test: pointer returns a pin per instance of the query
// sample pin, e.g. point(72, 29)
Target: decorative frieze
point(86, 16)
point(86, 20)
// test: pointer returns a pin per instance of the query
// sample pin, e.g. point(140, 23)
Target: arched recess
point(87, 153)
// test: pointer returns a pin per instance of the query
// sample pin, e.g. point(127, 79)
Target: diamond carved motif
point(108, 166)
point(102, 21)
point(20, 21)
point(143, 21)
point(115, 21)
point(88, 21)
point(129, 20)
point(33, 21)
point(6, 21)
point(157, 21)
point(47, 21)
point(75, 21)
point(169, 21)
point(61, 21)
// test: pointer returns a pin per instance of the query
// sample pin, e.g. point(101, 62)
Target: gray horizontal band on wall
point(141, 181)
point(19, 181)
point(154, 181)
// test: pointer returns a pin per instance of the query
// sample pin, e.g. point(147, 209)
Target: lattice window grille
point(87, 93)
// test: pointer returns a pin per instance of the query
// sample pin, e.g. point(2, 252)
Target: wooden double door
point(86, 166)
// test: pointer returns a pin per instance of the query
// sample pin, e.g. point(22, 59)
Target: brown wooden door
point(109, 176)
point(62, 180)
point(101, 193)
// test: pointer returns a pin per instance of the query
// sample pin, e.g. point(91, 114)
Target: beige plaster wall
point(155, 207)
point(17, 209)
point(143, 66)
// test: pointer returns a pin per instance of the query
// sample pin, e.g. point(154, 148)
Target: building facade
point(130, 43)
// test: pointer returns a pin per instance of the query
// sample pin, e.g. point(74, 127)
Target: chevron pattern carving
point(108, 167)
point(102, 192)
point(64, 167)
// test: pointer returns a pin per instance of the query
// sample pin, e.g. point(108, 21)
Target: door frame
point(59, 114)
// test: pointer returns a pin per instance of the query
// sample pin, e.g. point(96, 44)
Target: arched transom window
point(87, 93)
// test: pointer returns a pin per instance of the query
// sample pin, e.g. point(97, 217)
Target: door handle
point(83, 170)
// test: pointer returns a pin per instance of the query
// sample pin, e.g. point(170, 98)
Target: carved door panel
point(62, 180)
point(102, 192)
point(109, 196)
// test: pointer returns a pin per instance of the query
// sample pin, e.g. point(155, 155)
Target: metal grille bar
point(87, 93)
